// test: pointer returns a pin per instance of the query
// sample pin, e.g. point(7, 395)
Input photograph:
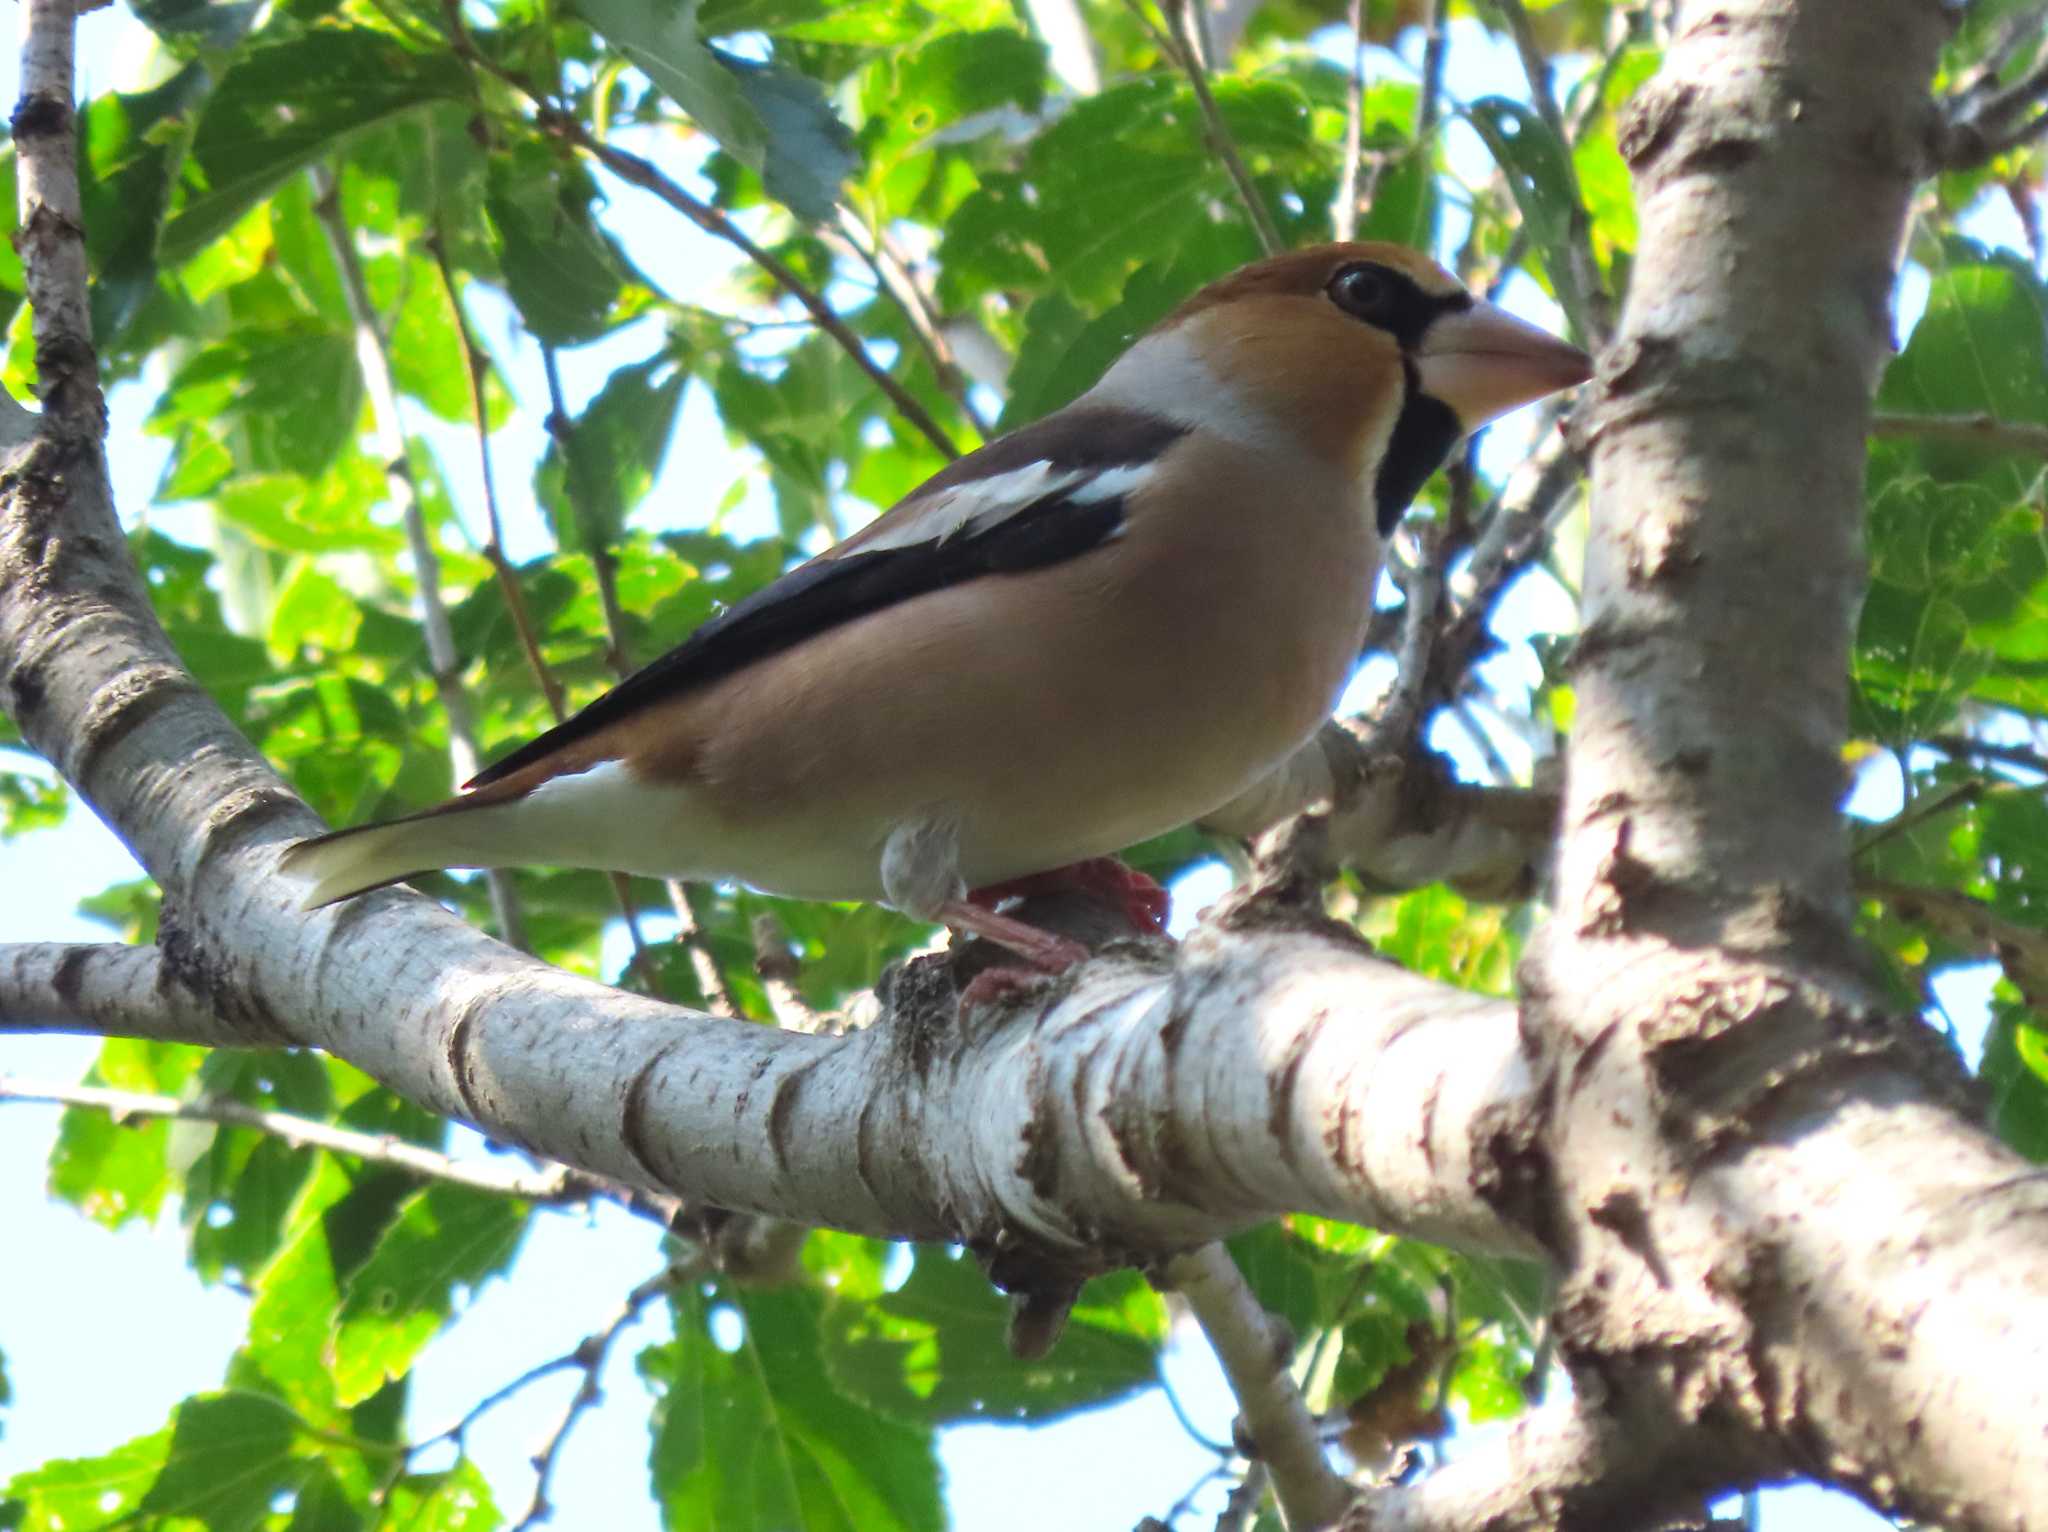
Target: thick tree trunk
point(1766, 1268)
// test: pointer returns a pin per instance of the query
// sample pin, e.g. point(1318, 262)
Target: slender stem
point(1978, 430)
point(474, 371)
point(1255, 1360)
point(553, 1185)
point(1344, 216)
point(444, 661)
point(642, 173)
point(1580, 287)
point(895, 278)
point(1179, 46)
point(590, 1355)
point(1436, 47)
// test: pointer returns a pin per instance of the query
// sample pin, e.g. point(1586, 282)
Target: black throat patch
point(1423, 436)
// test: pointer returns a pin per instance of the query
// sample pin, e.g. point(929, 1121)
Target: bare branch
point(873, 248)
point(553, 1185)
point(604, 564)
point(1256, 1354)
point(1974, 926)
point(590, 1356)
point(1178, 43)
point(51, 237)
point(642, 173)
point(1580, 287)
point(475, 370)
point(1344, 215)
point(107, 989)
point(389, 423)
point(1982, 430)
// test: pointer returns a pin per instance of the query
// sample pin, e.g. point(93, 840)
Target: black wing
point(837, 587)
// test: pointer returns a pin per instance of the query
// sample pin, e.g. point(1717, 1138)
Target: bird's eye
point(1365, 291)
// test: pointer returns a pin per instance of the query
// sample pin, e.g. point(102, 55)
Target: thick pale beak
point(1483, 362)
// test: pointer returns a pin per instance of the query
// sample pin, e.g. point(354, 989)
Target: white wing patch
point(965, 509)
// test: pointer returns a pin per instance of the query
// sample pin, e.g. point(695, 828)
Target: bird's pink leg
point(1041, 949)
point(1140, 898)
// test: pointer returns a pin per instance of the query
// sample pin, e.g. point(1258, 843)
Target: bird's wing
point(1040, 495)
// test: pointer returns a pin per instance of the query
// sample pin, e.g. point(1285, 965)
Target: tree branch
point(1580, 288)
point(1180, 47)
point(104, 989)
point(1256, 1354)
point(642, 173)
point(389, 423)
point(553, 1185)
point(1982, 430)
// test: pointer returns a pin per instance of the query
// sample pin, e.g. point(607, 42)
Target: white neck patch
point(1164, 374)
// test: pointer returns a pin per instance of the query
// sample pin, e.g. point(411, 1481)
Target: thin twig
point(642, 173)
point(1978, 430)
point(590, 1355)
point(553, 1185)
point(444, 661)
point(893, 275)
point(780, 971)
point(1436, 44)
point(1983, 120)
point(1918, 810)
point(1399, 717)
point(2018, 756)
point(474, 371)
point(1344, 216)
point(1180, 47)
point(1255, 1360)
point(1515, 534)
point(604, 564)
point(1580, 287)
point(1242, 1506)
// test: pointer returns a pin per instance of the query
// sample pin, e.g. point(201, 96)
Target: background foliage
point(992, 219)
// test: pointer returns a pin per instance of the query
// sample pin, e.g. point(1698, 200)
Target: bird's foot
point(1043, 950)
point(1140, 899)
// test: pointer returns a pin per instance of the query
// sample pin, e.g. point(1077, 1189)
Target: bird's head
point(1369, 355)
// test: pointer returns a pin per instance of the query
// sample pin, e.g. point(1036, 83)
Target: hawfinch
point(1088, 632)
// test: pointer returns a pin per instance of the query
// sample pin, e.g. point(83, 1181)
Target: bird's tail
point(456, 834)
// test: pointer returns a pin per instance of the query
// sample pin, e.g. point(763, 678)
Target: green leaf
point(132, 148)
point(752, 1436)
point(1958, 600)
point(446, 1238)
point(563, 273)
point(807, 153)
point(69, 1493)
point(1538, 170)
point(770, 119)
point(213, 23)
point(961, 74)
point(313, 611)
point(936, 1350)
point(612, 454)
point(458, 1500)
point(281, 106)
point(229, 1454)
point(2015, 1070)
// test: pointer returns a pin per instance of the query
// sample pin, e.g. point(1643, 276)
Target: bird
point(1090, 631)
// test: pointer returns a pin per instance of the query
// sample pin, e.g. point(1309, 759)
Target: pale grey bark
point(1770, 1276)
